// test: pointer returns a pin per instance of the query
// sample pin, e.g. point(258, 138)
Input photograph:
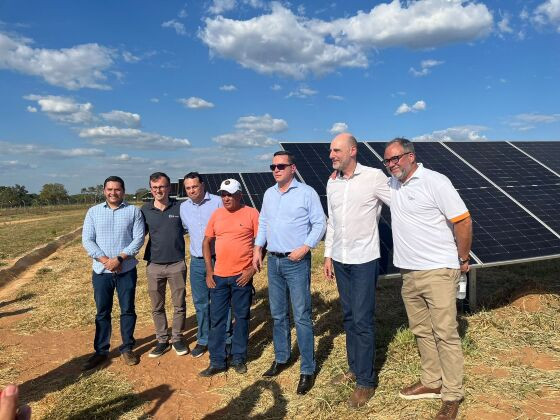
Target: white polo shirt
point(423, 210)
point(354, 206)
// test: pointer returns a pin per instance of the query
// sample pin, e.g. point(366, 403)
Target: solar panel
point(517, 174)
point(315, 167)
point(257, 183)
point(503, 231)
point(546, 152)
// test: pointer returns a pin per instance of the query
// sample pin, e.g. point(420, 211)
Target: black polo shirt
point(167, 242)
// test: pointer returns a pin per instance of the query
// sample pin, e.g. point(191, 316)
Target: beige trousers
point(429, 299)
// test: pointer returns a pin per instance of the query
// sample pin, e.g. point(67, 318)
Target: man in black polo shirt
point(165, 254)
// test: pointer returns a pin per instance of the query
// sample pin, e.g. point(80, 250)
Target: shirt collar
point(357, 170)
point(123, 204)
point(418, 173)
point(294, 184)
point(153, 207)
point(204, 199)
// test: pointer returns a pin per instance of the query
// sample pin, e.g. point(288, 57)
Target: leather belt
point(201, 258)
point(279, 254)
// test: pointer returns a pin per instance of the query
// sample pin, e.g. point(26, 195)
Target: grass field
point(511, 346)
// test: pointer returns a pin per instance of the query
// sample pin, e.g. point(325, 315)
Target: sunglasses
point(280, 166)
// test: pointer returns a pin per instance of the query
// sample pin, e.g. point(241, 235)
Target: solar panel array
point(512, 190)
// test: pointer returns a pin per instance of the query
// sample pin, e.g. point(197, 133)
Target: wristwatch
point(462, 261)
point(121, 259)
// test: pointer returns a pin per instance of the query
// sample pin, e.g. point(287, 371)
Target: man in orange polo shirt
point(233, 228)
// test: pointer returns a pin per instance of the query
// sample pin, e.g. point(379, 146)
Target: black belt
point(201, 258)
point(279, 254)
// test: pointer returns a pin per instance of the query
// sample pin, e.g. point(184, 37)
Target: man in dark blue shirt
point(165, 254)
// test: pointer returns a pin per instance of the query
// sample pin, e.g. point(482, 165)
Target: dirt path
point(51, 358)
point(36, 219)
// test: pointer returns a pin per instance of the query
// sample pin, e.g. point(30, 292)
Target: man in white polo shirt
point(432, 235)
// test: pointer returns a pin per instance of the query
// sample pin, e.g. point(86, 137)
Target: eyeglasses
point(394, 159)
point(162, 187)
point(280, 166)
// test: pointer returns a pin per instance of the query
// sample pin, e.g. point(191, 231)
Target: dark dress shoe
point(94, 361)
point(275, 369)
point(305, 384)
point(211, 371)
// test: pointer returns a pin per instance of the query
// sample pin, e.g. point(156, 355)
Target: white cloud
point(81, 66)
point(276, 87)
point(10, 165)
point(335, 97)
point(538, 118)
point(195, 103)
point(129, 57)
point(459, 133)
point(154, 100)
point(31, 109)
point(339, 127)
point(221, 6)
point(253, 131)
point(64, 109)
point(49, 152)
point(302, 92)
point(504, 24)
point(126, 158)
point(174, 24)
point(182, 13)
point(283, 43)
point(228, 88)
point(425, 67)
point(265, 157)
point(548, 13)
point(405, 108)
point(132, 137)
point(263, 123)
point(128, 119)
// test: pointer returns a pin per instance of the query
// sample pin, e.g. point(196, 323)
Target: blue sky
point(97, 88)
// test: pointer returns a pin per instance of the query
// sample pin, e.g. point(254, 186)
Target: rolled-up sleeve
point(137, 234)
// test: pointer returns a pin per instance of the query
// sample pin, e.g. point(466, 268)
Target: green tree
point(141, 192)
point(14, 196)
point(53, 193)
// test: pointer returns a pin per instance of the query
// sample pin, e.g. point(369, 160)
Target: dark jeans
point(289, 282)
point(104, 286)
point(201, 301)
point(356, 287)
point(227, 293)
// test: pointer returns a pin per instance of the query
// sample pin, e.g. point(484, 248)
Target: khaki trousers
point(429, 299)
point(158, 276)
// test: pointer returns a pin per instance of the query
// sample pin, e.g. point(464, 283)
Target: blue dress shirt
point(290, 219)
point(109, 232)
point(195, 218)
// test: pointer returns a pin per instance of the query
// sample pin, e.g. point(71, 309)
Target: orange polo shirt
point(235, 233)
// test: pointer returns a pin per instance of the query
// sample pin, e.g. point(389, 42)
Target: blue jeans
point(356, 287)
point(290, 281)
point(201, 301)
point(227, 293)
point(104, 286)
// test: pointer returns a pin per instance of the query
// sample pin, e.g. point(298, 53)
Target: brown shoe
point(130, 358)
point(343, 378)
point(418, 391)
point(360, 396)
point(449, 410)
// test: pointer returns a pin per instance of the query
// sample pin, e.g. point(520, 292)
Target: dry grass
point(19, 238)
point(492, 338)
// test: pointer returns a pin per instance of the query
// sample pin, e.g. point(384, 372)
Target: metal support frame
point(472, 289)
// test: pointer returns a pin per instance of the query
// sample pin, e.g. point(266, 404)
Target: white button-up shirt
point(354, 207)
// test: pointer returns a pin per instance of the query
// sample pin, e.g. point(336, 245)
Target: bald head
point(344, 149)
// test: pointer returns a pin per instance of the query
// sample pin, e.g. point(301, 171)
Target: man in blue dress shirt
point(291, 222)
point(112, 235)
point(195, 213)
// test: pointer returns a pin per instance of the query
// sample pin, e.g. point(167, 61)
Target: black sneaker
point(180, 348)
point(198, 350)
point(159, 349)
point(211, 371)
point(240, 368)
point(94, 361)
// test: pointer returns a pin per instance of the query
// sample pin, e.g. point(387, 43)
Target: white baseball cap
point(230, 185)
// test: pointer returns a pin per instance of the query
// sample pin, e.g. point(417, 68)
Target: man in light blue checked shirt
point(291, 222)
point(112, 235)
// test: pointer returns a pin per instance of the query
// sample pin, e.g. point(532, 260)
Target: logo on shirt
point(173, 216)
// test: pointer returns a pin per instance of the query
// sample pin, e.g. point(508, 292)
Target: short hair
point(407, 145)
point(291, 157)
point(157, 175)
point(193, 175)
point(114, 178)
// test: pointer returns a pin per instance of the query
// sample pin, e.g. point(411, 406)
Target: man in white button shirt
point(432, 235)
point(354, 200)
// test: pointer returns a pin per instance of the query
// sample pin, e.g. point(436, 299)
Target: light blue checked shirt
point(195, 218)
point(290, 219)
point(109, 232)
